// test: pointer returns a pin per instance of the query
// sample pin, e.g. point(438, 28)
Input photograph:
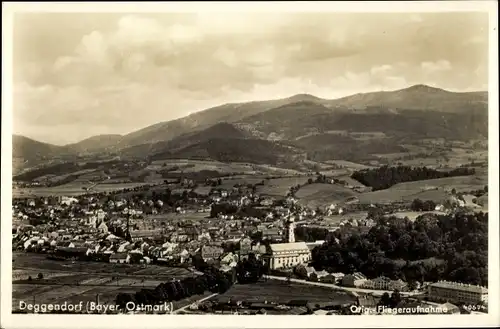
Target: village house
point(120, 258)
point(447, 291)
point(384, 283)
point(267, 202)
point(210, 252)
point(272, 234)
point(318, 275)
point(229, 259)
point(354, 280)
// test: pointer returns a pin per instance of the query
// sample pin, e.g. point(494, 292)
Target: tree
point(412, 285)
point(123, 298)
point(395, 298)
point(40, 276)
point(385, 300)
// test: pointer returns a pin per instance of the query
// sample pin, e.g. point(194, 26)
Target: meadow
point(279, 187)
point(71, 189)
point(348, 164)
point(72, 282)
point(320, 195)
point(437, 190)
point(281, 291)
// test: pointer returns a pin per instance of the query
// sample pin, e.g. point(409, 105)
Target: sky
point(82, 74)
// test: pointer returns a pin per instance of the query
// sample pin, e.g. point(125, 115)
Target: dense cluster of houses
point(94, 227)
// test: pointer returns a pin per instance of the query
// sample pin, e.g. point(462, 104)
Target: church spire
point(290, 230)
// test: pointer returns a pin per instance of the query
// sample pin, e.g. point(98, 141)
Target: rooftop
point(289, 246)
point(460, 286)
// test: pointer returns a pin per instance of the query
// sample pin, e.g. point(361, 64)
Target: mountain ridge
point(408, 110)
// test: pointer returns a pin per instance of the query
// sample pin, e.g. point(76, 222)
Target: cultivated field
point(335, 220)
point(437, 190)
point(228, 183)
point(348, 164)
point(319, 195)
point(279, 187)
point(233, 168)
point(40, 263)
point(281, 291)
point(412, 215)
point(71, 189)
point(72, 282)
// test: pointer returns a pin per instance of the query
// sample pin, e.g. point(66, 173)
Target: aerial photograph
point(288, 163)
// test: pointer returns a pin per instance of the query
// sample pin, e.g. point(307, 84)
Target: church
point(287, 255)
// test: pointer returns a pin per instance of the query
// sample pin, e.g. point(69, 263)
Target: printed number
point(474, 307)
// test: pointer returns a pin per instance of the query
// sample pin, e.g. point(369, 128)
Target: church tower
point(290, 230)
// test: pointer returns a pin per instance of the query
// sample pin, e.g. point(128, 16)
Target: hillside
point(348, 128)
point(237, 150)
point(323, 147)
point(287, 121)
point(217, 131)
point(27, 152)
point(97, 143)
point(233, 112)
point(418, 97)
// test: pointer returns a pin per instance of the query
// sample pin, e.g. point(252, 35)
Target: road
point(196, 302)
point(334, 286)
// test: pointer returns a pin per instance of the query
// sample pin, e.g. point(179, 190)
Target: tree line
point(212, 280)
point(310, 234)
point(247, 271)
point(385, 176)
point(434, 247)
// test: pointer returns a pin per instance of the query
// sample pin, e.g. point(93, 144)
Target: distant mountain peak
point(423, 88)
point(303, 98)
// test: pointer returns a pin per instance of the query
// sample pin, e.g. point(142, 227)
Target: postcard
point(250, 165)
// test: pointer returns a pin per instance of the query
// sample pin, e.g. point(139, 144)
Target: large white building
point(457, 292)
point(287, 255)
point(384, 283)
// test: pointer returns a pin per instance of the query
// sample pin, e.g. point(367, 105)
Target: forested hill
point(448, 247)
point(385, 176)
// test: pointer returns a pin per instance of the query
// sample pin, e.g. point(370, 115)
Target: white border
point(9, 320)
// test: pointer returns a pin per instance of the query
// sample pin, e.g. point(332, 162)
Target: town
point(324, 162)
point(250, 239)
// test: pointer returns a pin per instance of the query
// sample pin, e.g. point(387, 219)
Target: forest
point(435, 247)
point(385, 176)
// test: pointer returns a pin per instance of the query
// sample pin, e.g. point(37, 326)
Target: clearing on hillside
point(319, 195)
point(279, 187)
point(437, 190)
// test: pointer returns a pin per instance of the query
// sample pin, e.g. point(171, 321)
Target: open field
point(348, 164)
point(334, 220)
point(44, 294)
point(452, 157)
point(319, 195)
point(71, 189)
point(40, 263)
point(412, 215)
point(233, 168)
point(437, 190)
point(228, 183)
point(349, 180)
point(280, 186)
point(280, 291)
point(72, 282)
